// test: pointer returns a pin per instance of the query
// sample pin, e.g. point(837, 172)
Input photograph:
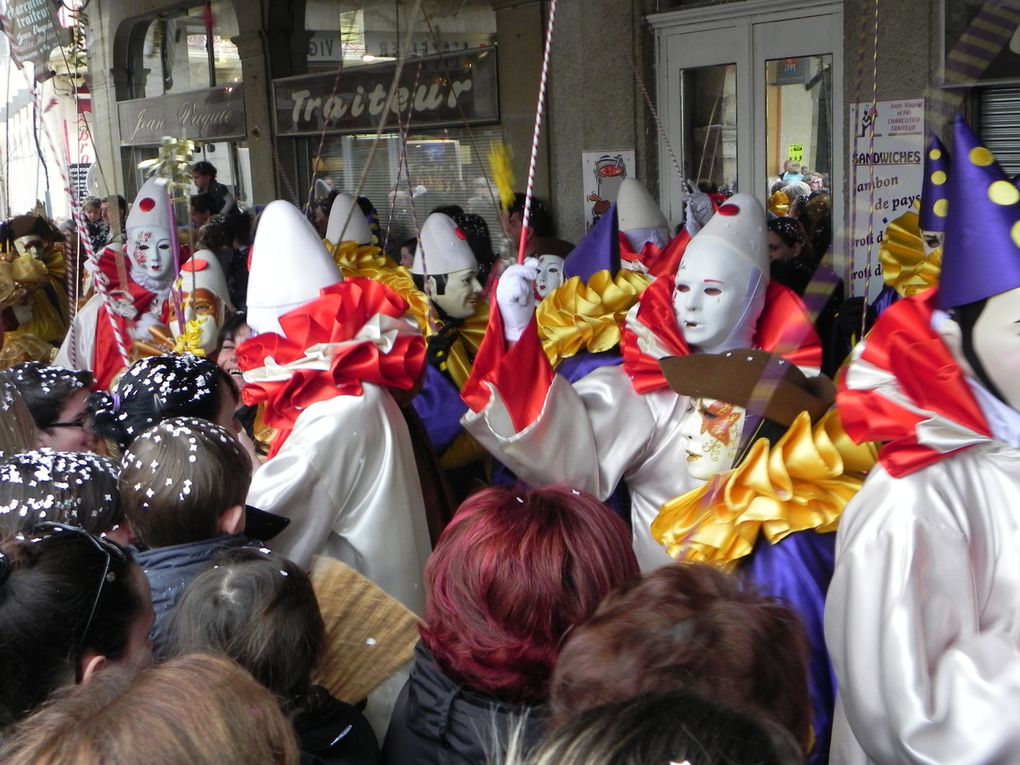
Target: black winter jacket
point(437, 721)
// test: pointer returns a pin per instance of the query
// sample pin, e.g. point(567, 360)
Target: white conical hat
point(357, 230)
point(445, 247)
point(636, 208)
point(739, 227)
point(288, 266)
point(204, 272)
point(151, 208)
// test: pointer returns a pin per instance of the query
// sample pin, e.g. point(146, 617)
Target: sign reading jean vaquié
point(216, 114)
point(447, 90)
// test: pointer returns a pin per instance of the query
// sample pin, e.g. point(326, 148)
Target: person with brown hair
point(183, 484)
point(193, 710)
point(512, 573)
point(692, 628)
point(259, 609)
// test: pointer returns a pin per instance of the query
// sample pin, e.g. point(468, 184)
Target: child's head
point(184, 480)
point(260, 610)
point(78, 488)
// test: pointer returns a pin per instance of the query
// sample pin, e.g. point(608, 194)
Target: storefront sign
point(451, 90)
point(34, 30)
point(216, 114)
point(886, 170)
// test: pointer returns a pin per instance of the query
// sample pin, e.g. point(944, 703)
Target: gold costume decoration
point(24, 275)
point(581, 316)
point(367, 261)
point(905, 267)
point(190, 341)
point(779, 204)
point(800, 483)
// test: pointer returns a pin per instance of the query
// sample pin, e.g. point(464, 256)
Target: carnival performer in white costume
point(923, 614)
point(205, 304)
point(623, 423)
point(137, 291)
point(328, 357)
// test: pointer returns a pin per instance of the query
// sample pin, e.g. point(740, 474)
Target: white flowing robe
point(79, 346)
point(347, 479)
point(923, 615)
point(591, 435)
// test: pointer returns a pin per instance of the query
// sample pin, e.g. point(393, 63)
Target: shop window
point(190, 50)
point(443, 167)
point(369, 31)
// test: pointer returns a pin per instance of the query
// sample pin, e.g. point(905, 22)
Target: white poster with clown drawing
point(887, 142)
point(602, 173)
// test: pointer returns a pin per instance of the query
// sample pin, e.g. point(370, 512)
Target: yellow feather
point(503, 173)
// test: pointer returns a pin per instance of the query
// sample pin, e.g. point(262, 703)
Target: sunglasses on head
point(106, 548)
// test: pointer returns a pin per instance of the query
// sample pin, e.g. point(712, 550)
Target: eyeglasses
point(78, 422)
point(107, 549)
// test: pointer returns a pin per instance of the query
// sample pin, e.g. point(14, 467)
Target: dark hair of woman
point(63, 595)
point(157, 388)
point(45, 388)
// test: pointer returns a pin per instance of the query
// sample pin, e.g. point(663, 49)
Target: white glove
point(515, 296)
point(699, 210)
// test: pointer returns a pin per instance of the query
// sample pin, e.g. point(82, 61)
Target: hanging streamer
point(538, 130)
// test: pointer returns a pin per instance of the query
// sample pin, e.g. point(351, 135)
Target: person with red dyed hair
point(512, 573)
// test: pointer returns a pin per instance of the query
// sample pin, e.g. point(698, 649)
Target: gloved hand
point(699, 209)
point(515, 296)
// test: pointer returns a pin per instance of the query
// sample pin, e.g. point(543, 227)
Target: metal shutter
point(1000, 125)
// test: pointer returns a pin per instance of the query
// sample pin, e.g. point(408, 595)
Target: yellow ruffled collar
point(905, 267)
point(581, 316)
point(801, 483)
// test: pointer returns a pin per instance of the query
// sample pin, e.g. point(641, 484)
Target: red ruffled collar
point(657, 262)
point(903, 357)
point(783, 328)
point(337, 316)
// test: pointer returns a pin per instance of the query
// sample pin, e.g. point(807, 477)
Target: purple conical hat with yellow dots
point(981, 255)
point(934, 189)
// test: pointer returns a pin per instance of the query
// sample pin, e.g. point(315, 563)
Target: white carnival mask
point(718, 299)
point(713, 430)
point(931, 241)
point(460, 296)
point(150, 252)
point(550, 274)
point(996, 343)
point(205, 299)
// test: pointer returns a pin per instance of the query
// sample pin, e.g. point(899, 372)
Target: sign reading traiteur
point(433, 91)
point(886, 169)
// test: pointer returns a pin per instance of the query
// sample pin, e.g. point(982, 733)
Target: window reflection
point(798, 143)
point(709, 98)
point(190, 50)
